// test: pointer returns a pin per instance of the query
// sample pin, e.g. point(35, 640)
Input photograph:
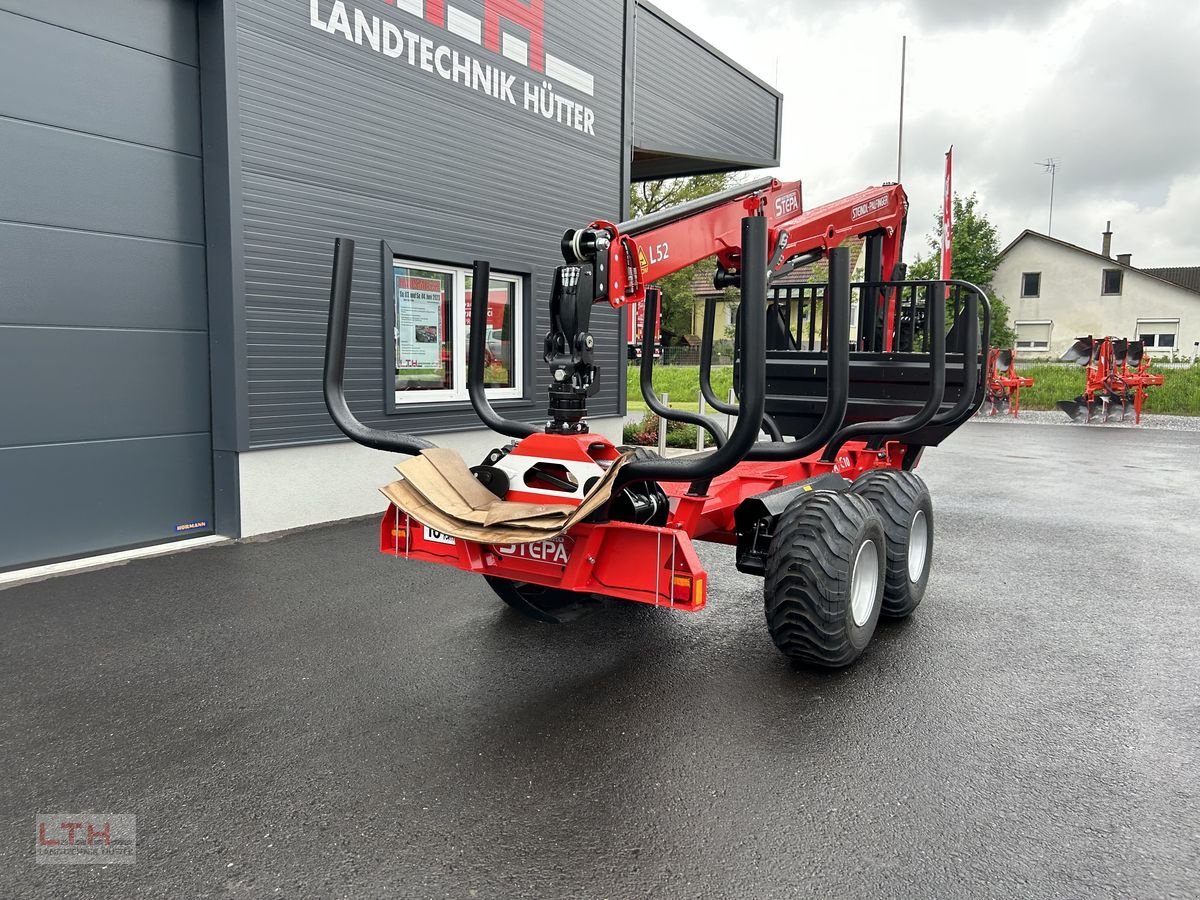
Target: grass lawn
point(681, 384)
point(1179, 395)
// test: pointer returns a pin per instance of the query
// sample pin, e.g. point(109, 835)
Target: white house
point(1059, 291)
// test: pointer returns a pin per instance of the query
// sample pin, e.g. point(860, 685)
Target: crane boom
point(616, 264)
point(642, 251)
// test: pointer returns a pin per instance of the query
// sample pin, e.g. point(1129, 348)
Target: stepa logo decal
point(556, 551)
point(543, 95)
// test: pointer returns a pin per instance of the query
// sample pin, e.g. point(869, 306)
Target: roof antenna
point(1050, 166)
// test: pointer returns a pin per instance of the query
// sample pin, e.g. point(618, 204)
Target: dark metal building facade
point(173, 173)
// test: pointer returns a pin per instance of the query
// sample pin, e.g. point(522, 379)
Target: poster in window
point(420, 324)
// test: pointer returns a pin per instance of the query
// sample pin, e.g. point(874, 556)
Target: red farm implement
point(1117, 376)
point(1003, 383)
point(828, 510)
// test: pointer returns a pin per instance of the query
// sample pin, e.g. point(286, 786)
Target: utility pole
point(1050, 166)
point(900, 141)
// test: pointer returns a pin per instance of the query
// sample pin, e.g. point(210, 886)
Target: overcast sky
point(1111, 89)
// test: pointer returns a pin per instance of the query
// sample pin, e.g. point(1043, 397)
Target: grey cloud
point(1120, 114)
point(930, 14)
point(953, 13)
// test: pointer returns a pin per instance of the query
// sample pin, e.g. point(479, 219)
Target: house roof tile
point(1184, 276)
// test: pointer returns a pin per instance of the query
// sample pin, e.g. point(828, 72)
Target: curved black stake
point(970, 314)
point(837, 384)
point(965, 412)
point(706, 388)
point(335, 365)
point(646, 379)
point(936, 312)
point(481, 276)
point(712, 463)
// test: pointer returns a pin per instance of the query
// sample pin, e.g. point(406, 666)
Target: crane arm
point(614, 264)
point(632, 255)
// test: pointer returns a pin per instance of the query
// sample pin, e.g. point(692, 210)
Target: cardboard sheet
point(438, 490)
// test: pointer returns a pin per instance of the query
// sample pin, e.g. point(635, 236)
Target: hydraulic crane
point(618, 263)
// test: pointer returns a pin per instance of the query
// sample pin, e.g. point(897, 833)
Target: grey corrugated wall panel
point(104, 425)
point(104, 75)
point(128, 282)
point(71, 499)
point(101, 383)
point(690, 101)
point(165, 28)
point(76, 180)
point(339, 140)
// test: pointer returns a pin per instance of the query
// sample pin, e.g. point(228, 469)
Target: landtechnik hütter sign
point(556, 90)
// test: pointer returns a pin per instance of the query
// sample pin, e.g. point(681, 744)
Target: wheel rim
point(864, 583)
point(918, 545)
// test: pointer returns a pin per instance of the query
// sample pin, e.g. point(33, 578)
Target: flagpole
point(948, 216)
point(900, 140)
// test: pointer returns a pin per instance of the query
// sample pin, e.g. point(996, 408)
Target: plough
point(1116, 375)
point(828, 511)
point(1003, 383)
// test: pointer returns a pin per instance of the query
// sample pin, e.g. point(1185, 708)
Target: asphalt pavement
point(302, 717)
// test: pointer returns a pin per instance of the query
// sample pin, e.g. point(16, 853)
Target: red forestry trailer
point(828, 511)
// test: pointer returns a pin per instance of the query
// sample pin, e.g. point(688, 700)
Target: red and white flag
point(947, 218)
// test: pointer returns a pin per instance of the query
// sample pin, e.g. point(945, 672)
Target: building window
point(1031, 284)
point(1158, 334)
point(1110, 282)
point(1033, 335)
point(432, 321)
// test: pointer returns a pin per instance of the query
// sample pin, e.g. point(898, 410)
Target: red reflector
point(681, 588)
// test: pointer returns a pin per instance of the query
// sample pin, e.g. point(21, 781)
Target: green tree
point(975, 253)
point(649, 197)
